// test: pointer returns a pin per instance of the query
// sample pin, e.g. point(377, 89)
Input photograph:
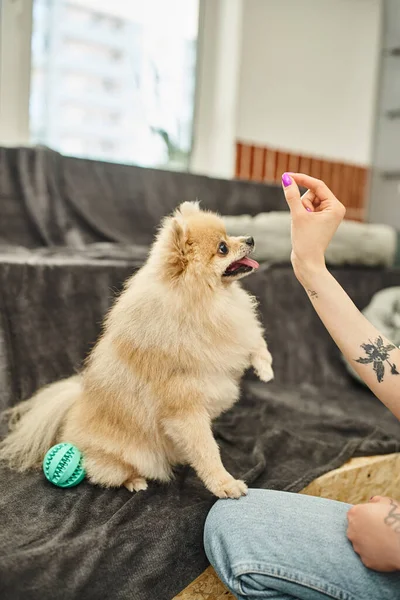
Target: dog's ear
point(186, 209)
point(177, 247)
point(178, 238)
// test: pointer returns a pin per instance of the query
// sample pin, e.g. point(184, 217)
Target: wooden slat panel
point(238, 158)
point(294, 163)
point(251, 162)
point(245, 159)
point(363, 193)
point(326, 172)
point(348, 182)
point(282, 165)
point(305, 164)
point(270, 162)
point(335, 178)
point(315, 168)
point(346, 191)
point(258, 164)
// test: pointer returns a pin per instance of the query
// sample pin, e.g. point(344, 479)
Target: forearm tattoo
point(313, 294)
point(392, 519)
point(378, 354)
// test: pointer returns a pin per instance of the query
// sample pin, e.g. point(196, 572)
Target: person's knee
point(229, 523)
point(216, 529)
point(220, 533)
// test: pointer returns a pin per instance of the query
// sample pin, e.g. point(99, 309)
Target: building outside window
point(115, 80)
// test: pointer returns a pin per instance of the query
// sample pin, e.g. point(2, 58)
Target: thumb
point(292, 194)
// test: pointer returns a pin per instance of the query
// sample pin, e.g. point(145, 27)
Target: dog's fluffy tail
point(35, 423)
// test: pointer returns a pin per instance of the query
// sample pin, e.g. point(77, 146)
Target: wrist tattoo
point(392, 519)
point(313, 294)
point(378, 354)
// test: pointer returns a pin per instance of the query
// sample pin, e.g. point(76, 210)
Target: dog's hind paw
point(136, 484)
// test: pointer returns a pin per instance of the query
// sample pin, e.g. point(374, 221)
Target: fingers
point(309, 201)
point(352, 512)
point(319, 188)
point(321, 196)
point(318, 198)
point(380, 499)
point(373, 500)
point(292, 195)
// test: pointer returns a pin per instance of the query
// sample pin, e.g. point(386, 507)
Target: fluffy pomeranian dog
point(173, 350)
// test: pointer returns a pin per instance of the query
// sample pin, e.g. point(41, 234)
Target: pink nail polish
point(286, 180)
point(308, 209)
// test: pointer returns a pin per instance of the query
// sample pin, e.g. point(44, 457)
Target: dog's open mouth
point(243, 265)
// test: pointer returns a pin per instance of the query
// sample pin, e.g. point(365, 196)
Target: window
point(106, 145)
point(109, 85)
point(114, 117)
point(76, 50)
point(115, 80)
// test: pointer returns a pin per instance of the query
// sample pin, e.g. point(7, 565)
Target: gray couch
point(71, 231)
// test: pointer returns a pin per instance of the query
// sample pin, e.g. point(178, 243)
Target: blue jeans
point(285, 546)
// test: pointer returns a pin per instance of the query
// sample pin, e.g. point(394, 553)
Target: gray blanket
point(90, 543)
point(51, 200)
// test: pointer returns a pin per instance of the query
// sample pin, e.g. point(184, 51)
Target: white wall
point(308, 76)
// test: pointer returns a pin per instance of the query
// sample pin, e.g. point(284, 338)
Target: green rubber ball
point(62, 465)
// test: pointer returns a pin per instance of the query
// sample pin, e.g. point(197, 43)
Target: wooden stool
point(354, 482)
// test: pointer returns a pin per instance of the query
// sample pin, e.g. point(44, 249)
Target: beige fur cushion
point(354, 243)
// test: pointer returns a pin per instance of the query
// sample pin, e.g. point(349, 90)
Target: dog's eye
point(223, 248)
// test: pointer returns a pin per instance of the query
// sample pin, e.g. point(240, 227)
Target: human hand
point(374, 531)
point(315, 218)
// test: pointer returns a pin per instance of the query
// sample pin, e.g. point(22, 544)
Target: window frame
point(15, 71)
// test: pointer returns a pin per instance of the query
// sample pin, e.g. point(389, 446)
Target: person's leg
point(283, 546)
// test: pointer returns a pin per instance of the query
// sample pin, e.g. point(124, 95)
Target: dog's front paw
point(265, 372)
point(230, 488)
point(263, 366)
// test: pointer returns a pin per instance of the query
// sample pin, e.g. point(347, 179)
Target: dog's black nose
point(249, 241)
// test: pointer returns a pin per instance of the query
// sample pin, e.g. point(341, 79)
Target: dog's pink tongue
point(249, 262)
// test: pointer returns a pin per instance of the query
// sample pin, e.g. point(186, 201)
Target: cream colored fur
point(173, 351)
